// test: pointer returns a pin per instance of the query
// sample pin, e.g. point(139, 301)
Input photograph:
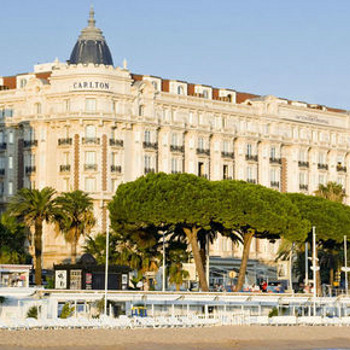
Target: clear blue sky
point(298, 49)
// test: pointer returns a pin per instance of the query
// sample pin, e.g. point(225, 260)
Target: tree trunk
point(38, 227)
point(192, 238)
point(74, 247)
point(247, 239)
point(331, 276)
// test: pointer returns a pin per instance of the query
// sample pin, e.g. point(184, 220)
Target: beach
point(212, 338)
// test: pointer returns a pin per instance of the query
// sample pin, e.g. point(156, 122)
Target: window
point(341, 181)
point(10, 137)
point(2, 188)
point(141, 110)
point(225, 147)
point(10, 162)
point(2, 163)
point(180, 90)
point(2, 139)
point(90, 105)
point(249, 149)
point(205, 94)
point(273, 153)
point(66, 185)
point(225, 171)
point(190, 118)
point(10, 188)
point(173, 165)
point(114, 107)
point(321, 158)
point(147, 136)
point(155, 85)
point(8, 112)
point(321, 179)
point(90, 184)
point(174, 139)
point(303, 155)
point(66, 105)
point(22, 83)
point(114, 159)
point(273, 175)
point(90, 132)
point(200, 169)
point(90, 157)
point(38, 108)
point(66, 158)
point(250, 173)
point(201, 143)
point(147, 160)
point(303, 179)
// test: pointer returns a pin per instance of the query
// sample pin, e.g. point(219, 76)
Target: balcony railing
point(3, 146)
point(303, 187)
point(30, 169)
point(322, 166)
point(149, 170)
point(251, 157)
point(150, 145)
point(204, 176)
point(226, 177)
point(303, 164)
point(91, 141)
point(203, 151)
point(30, 143)
point(176, 148)
point(341, 168)
point(65, 168)
point(226, 154)
point(274, 160)
point(275, 184)
point(116, 143)
point(116, 169)
point(176, 171)
point(90, 167)
point(251, 181)
point(2, 172)
point(67, 141)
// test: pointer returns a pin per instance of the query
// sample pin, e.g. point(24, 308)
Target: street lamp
point(346, 269)
point(106, 271)
point(163, 284)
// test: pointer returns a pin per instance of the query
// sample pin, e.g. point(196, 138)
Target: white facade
point(92, 127)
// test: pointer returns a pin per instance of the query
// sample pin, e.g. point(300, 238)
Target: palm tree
point(35, 207)
point(75, 217)
point(332, 191)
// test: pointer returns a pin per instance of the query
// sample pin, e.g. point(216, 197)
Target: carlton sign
point(90, 85)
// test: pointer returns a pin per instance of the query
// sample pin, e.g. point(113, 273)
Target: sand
point(213, 338)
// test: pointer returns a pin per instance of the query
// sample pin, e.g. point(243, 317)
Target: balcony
point(116, 143)
point(226, 154)
point(149, 170)
point(303, 164)
point(274, 160)
point(30, 143)
point(341, 168)
point(2, 172)
point(90, 167)
point(275, 184)
point(3, 146)
point(30, 169)
point(205, 176)
point(65, 141)
point(176, 148)
point(65, 168)
point(322, 166)
point(202, 151)
point(116, 169)
point(251, 181)
point(91, 141)
point(251, 157)
point(150, 145)
point(303, 187)
point(226, 177)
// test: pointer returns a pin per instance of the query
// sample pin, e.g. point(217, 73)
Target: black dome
point(91, 46)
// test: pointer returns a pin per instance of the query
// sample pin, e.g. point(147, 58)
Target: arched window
point(180, 90)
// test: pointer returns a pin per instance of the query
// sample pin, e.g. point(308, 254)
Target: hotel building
point(88, 125)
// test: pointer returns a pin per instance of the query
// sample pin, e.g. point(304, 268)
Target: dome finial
point(92, 17)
